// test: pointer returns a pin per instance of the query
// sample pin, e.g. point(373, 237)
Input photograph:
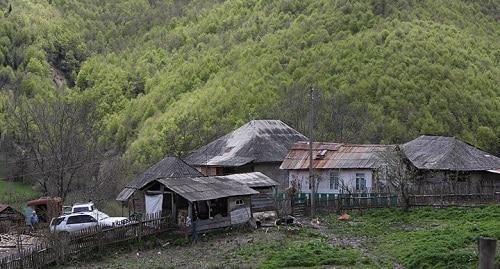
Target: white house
point(340, 168)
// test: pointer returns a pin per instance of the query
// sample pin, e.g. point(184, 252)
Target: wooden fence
point(58, 247)
point(300, 203)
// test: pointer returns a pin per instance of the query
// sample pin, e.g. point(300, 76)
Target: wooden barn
point(446, 164)
point(213, 202)
point(170, 167)
point(9, 217)
point(267, 188)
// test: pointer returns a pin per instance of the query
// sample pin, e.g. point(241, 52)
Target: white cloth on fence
point(153, 203)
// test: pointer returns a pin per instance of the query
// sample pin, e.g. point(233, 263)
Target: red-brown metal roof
point(335, 156)
point(44, 201)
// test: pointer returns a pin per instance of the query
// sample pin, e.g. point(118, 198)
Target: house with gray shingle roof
point(168, 167)
point(257, 146)
point(452, 162)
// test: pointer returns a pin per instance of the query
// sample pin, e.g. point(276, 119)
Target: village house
point(170, 167)
point(339, 168)
point(213, 202)
point(450, 165)
point(258, 146)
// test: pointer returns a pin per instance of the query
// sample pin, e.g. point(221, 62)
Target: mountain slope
point(169, 76)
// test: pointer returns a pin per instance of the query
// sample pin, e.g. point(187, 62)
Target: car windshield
point(57, 221)
point(80, 209)
point(101, 215)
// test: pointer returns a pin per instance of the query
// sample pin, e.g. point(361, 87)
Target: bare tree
point(57, 139)
point(400, 173)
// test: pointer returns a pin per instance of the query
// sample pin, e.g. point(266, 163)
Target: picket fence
point(299, 204)
point(59, 247)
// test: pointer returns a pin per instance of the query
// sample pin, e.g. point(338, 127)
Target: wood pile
point(10, 240)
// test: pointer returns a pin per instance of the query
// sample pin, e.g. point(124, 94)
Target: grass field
point(424, 237)
point(382, 238)
point(16, 194)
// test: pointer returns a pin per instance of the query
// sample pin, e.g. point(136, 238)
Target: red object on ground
point(344, 217)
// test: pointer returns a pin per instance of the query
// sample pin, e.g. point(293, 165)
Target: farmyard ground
point(384, 238)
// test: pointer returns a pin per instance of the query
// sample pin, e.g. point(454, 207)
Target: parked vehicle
point(79, 221)
point(73, 223)
point(83, 207)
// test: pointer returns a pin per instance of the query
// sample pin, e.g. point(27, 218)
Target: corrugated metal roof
point(253, 180)
point(448, 153)
point(257, 141)
point(206, 188)
point(336, 156)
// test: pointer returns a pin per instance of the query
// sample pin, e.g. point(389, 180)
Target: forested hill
point(166, 76)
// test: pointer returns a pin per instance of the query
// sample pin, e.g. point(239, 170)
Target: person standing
point(34, 220)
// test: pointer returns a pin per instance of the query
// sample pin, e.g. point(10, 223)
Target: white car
point(78, 221)
point(72, 223)
point(83, 207)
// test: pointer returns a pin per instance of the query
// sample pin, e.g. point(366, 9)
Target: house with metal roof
point(258, 146)
point(338, 168)
point(212, 202)
point(457, 165)
point(168, 167)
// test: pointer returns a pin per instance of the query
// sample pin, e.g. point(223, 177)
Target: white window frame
point(361, 178)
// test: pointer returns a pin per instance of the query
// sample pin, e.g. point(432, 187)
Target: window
point(360, 182)
point(57, 221)
point(87, 219)
point(73, 220)
point(334, 180)
point(240, 202)
point(80, 219)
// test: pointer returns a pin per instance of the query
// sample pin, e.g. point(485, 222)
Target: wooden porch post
point(174, 210)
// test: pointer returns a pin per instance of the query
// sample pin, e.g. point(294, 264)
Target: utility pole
point(312, 180)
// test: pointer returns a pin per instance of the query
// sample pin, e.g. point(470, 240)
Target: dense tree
point(168, 75)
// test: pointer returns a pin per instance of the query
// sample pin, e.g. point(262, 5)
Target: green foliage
point(168, 76)
point(16, 194)
point(425, 237)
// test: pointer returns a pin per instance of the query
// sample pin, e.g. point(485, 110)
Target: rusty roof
point(257, 141)
point(334, 156)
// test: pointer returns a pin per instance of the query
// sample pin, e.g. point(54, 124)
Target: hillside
point(167, 76)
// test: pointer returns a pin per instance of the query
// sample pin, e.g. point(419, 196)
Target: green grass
point(424, 237)
point(303, 248)
point(15, 193)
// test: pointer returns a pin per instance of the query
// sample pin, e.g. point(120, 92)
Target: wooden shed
point(9, 217)
point(132, 197)
point(265, 199)
point(213, 202)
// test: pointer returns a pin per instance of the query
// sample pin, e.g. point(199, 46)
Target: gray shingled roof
point(257, 141)
point(169, 167)
point(253, 180)
point(448, 153)
point(206, 188)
